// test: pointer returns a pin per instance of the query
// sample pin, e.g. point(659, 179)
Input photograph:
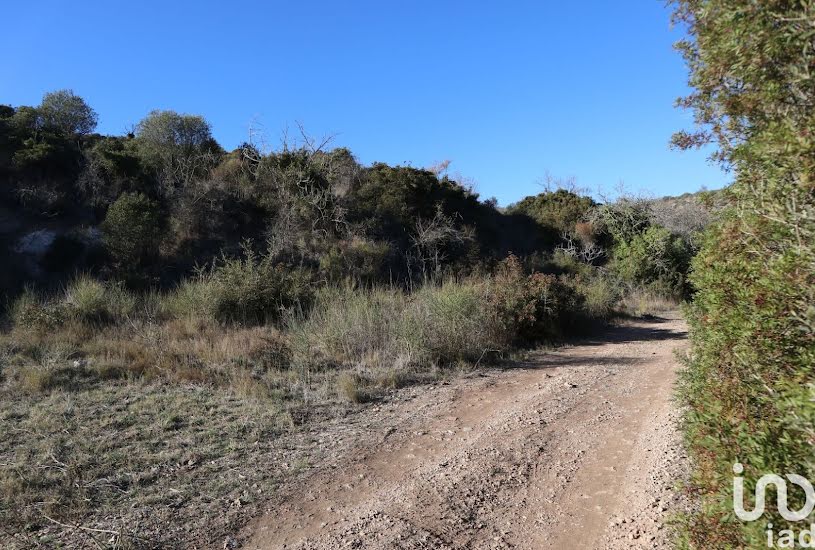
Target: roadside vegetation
point(749, 383)
point(175, 313)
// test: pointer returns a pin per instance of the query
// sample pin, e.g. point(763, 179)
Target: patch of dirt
point(574, 448)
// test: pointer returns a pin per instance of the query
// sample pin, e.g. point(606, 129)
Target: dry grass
point(643, 302)
point(144, 418)
point(159, 465)
point(162, 431)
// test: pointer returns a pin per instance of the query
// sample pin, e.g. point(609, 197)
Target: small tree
point(131, 228)
point(655, 257)
point(180, 148)
point(67, 113)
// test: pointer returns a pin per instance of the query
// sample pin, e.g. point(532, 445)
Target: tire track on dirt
point(575, 448)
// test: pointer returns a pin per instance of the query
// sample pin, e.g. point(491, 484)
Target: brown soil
point(575, 448)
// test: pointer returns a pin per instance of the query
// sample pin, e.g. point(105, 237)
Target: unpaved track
point(576, 448)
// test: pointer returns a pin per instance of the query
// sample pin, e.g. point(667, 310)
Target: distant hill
point(689, 212)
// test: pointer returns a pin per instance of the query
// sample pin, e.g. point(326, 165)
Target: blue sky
point(506, 90)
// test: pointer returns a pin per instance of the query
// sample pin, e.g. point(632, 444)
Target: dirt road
point(575, 448)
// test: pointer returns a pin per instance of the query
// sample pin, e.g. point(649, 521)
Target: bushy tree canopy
point(65, 112)
point(180, 148)
point(655, 257)
point(559, 210)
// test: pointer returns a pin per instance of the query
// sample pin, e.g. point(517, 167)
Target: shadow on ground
point(642, 330)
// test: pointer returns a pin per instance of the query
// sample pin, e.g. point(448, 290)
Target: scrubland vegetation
point(749, 382)
point(173, 312)
point(188, 306)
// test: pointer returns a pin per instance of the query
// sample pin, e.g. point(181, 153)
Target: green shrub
point(193, 297)
point(252, 290)
point(557, 210)
point(131, 229)
point(561, 262)
point(92, 301)
point(655, 257)
point(601, 294)
point(531, 308)
point(31, 311)
point(359, 260)
point(624, 219)
point(749, 383)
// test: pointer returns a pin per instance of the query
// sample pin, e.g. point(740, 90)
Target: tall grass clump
point(457, 321)
point(647, 300)
point(252, 289)
point(348, 326)
point(90, 300)
point(601, 295)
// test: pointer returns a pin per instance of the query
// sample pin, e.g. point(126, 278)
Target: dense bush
point(358, 260)
point(251, 289)
point(65, 112)
point(178, 149)
point(92, 301)
point(558, 210)
point(623, 219)
point(656, 258)
point(475, 319)
point(530, 308)
point(132, 229)
point(31, 312)
point(749, 384)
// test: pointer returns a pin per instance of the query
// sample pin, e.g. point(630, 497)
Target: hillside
point(177, 315)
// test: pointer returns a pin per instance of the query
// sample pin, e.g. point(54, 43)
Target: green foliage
point(31, 312)
point(92, 301)
point(392, 199)
point(655, 257)
point(66, 113)
point(359, 260)
point(748, 386)
point(600, 295)
point(112, 166)
point(252, 289)
point(40, 151)
point(132, 229)
point(529, 308)
point(179, 148)
point(624, 219)
point(558, 210)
